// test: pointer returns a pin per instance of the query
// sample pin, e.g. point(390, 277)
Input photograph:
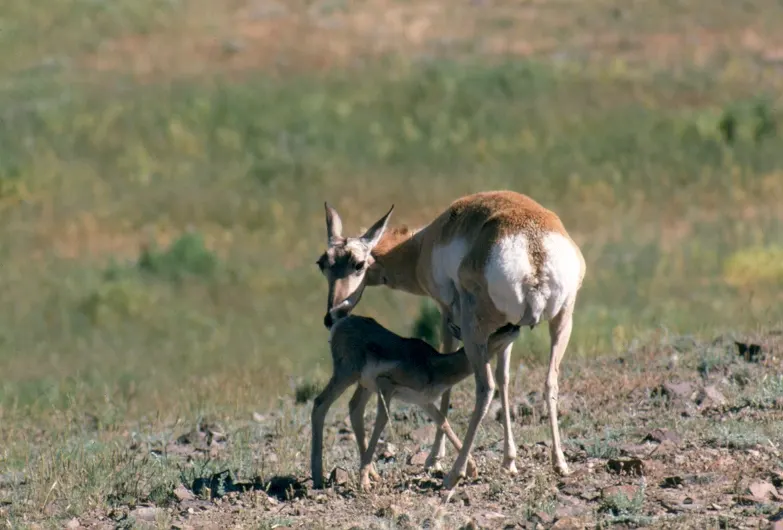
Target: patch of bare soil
point(209, 37)
point(677, 434)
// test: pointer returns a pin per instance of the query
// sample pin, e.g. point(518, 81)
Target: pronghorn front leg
point(448, 344)
point(475, 339)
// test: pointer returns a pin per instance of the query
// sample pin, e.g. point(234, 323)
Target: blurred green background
point(163, 168)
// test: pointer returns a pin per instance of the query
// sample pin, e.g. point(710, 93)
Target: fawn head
point(345, 264)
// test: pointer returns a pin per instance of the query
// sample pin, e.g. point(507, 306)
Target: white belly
point(372, 370)
point(446, 260)
point(420, 397)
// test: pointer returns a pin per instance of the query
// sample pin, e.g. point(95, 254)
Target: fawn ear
point(375, 232)
point(334, 225)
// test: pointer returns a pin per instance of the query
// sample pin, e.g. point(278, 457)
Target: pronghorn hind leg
point(501, 379)
point(559, 333)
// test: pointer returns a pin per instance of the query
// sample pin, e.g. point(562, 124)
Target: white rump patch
point(516, 292)
point(561, 271)
point(509, 275)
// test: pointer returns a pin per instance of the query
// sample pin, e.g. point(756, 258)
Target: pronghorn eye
point(359, 266)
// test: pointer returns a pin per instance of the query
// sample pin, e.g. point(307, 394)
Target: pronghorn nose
point(328, 321)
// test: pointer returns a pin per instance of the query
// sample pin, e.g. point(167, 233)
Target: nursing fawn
point(382, 362)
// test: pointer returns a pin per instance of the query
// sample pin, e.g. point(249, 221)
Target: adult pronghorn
point(490, 259)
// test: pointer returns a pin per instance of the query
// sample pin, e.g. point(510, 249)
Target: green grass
point(160, 235)
point(249, 164)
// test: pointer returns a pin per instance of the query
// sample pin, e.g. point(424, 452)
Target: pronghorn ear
point(334, 225)
point(374, 234)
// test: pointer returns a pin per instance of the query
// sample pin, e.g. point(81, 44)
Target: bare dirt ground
point(299, 35)
point(674, 434)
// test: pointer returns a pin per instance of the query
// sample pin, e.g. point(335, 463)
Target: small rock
point(489, 519)
point(568, 523)
point(541, 517)
point(666, 447)
point(661, 435)
point(389, 511)
point(259, 418)
point(628, 490)
point(575, 508)
point(634, 450)
point(419, 459)
point(73, 523)
point(461, 497)
point(625, 466)
point(12, 479)
point(681, 390)
point(339, 477)
point(146, 513)
point(183, 494)
point(749, 500)
point(710, 397)
point(762, 490)
point(388, 450)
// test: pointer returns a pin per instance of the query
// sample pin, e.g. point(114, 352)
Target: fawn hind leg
point(357, 406)
point(442, 423)
point(448, 343)
point(385, 394)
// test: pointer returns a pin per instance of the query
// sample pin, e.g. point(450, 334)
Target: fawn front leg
point(333, 390)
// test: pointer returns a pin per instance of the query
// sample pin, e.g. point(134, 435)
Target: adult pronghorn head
point(346, 262)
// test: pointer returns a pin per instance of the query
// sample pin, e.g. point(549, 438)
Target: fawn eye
point(359, 266)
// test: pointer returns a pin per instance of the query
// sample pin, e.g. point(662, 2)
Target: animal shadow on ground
point(283, 487)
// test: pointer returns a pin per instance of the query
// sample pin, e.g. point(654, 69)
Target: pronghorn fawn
point(382, 362)
point(490, 259)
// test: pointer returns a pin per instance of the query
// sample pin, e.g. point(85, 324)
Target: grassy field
point(163, 167)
